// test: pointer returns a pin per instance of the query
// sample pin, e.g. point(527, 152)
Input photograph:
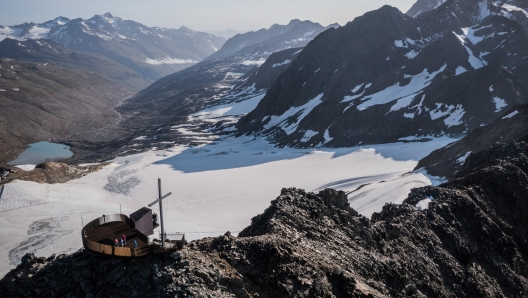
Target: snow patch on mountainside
point(411, 54)
point(475, 62)
point(356, 89)
point(253, 62)
point(351, 98)
point(169, 60)
point(34, 32)
point(460, 70)
point(327, 136)
point(287, 61)
point(283, 122)
point(499, 104)
point(423, 204)
point(454, 114)
point(508, 8)
point(241, 107)
point(397, 91)
point(484, 10)
point(400, 44)
point(308, 135)
point(455, 117)
point(463, 158)
point(468, 35)
point(511, 114)
point(403, 102)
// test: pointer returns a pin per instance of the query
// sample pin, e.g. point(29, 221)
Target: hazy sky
point(196, 14)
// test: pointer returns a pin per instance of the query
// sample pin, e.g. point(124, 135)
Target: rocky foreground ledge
point(470, 242)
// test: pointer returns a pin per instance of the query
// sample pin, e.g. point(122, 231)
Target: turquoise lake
point(41, 152)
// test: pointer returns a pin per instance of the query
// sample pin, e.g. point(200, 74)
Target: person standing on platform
point(116, 243)
point(124, 238)
point(135, 244)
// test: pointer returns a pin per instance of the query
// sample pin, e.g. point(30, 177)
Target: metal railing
point(174, 239)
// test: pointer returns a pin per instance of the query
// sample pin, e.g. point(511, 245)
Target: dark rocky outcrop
point(264, 76)
point(447, 161)
point(469, 242)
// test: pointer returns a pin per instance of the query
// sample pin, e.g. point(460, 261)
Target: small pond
point(41, 152)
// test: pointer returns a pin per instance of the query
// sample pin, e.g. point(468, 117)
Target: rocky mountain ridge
point(465, 238)
point(397, 78)
point(509, 8)
point(47, 51)
point(295, 34)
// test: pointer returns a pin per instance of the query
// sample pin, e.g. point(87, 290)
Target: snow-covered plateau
point(216, 187)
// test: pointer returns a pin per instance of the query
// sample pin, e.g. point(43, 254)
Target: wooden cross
point(159, 200)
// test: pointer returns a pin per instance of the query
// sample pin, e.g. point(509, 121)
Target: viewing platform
point(100, 234)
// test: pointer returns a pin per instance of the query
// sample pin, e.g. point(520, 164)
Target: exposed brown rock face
point(54, 172)
point(470, 242)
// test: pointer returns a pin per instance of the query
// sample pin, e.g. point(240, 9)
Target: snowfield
point(169, 60)
point(216, 188)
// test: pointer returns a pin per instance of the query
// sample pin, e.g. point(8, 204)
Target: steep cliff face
point(463, 239)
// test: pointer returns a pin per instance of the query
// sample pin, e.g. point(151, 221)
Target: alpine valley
point(399, 140)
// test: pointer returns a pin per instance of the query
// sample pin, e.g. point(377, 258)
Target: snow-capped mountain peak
point(127, 42)
point(295, 34)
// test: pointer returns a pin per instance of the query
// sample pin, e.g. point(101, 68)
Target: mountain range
point(132, 55)
point(65, 59)
point(295, 34)
point(170, 100)
point(443, 68)
point(226, 33)
point(152, 52)
point(384, 77)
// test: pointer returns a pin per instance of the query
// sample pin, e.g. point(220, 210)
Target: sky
point(196, 14)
